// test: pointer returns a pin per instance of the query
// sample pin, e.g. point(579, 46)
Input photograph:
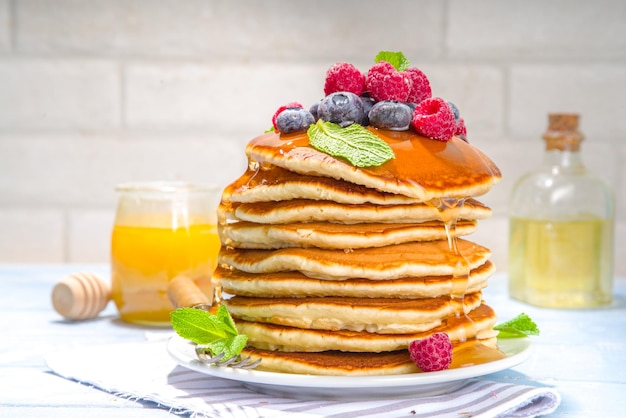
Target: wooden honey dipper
point(80, 296)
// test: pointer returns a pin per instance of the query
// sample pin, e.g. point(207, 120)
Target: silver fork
point(184, 293)
point(237, 362)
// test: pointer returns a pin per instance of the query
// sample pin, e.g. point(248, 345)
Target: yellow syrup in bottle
point(561, 263)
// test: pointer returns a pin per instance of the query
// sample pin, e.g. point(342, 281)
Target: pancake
point(414, 259)
point(476, 324)
point(333, 363)
point(422, 168)
point(335, 236)
point(266, 184)
point(294, 211)
point(340, 363)
point(380, 316)
point(296, 284)
point(333, 268)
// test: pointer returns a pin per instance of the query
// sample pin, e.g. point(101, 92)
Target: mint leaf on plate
point(231, 346)
point(216, 331)
point(354, 143)
point(518, 327)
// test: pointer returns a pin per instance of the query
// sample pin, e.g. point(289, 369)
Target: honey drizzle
point(217, 292)
point(449, 209)
point(473, 352)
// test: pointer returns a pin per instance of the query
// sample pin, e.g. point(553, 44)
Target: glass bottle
point(561, 227)
point(161, 230)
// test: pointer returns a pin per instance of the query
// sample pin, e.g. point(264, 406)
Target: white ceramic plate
point(301, 386)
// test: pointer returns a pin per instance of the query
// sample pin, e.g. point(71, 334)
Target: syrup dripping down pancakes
point(333, 269)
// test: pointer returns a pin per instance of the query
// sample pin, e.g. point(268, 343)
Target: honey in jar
point(161, 230)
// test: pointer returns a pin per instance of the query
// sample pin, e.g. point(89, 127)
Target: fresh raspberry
point(434, 119)
point(461, 130)
point(344, 77)
point(292, 105)
point(421, 86)
point(433, 353)
point(384, 82)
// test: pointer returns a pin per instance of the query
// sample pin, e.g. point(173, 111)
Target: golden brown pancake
point(335, 236)
point(380, 316)
point(340, 363)
point(333, 363)
point(423, 169)
point(413, 259)
point(265, 184)
point(477, 324)
point(296, 284)
point(295, 211)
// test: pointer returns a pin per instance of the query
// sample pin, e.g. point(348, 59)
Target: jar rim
point(165, 186)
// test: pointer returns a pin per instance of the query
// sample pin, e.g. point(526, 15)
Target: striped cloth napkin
point(145, 371)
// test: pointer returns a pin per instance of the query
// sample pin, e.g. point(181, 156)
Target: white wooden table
point(581, 353)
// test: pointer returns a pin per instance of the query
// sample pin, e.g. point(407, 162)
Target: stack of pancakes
point(333, 269)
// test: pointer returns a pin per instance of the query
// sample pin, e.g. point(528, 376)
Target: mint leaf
point(354, 143)
point(231, 346)
point(224, 317)
point(397, 59)
point(217, 331)
point(518, 327)
point(197, 325)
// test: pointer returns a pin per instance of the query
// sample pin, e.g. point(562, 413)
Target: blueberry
point(314, 110)
point(455, 110)
point(368, 102)
point(391, 115)
point(342, 108)
point(294, 120)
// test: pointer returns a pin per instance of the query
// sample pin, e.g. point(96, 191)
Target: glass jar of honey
point(161, 230)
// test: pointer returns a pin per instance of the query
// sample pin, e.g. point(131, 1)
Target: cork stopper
point(562, 133)
point(80, 296)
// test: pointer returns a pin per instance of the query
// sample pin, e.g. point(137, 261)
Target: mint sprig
point(518, 327)
point(354, 143)
point(397, 59)
point(215, 331)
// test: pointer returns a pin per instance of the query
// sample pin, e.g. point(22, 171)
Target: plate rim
point(517, 349)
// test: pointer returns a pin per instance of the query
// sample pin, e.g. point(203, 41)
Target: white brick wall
point(536, 29)
point(106, 91)
point(593, 90)
point(55, 94)
point(5, 26)
point(32, 235)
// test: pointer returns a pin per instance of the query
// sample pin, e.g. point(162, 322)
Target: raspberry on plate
point(384, 82)
point(434, 119)
point(433, 353)
point(344, 76)
point(292, 105)
point(420, 89)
